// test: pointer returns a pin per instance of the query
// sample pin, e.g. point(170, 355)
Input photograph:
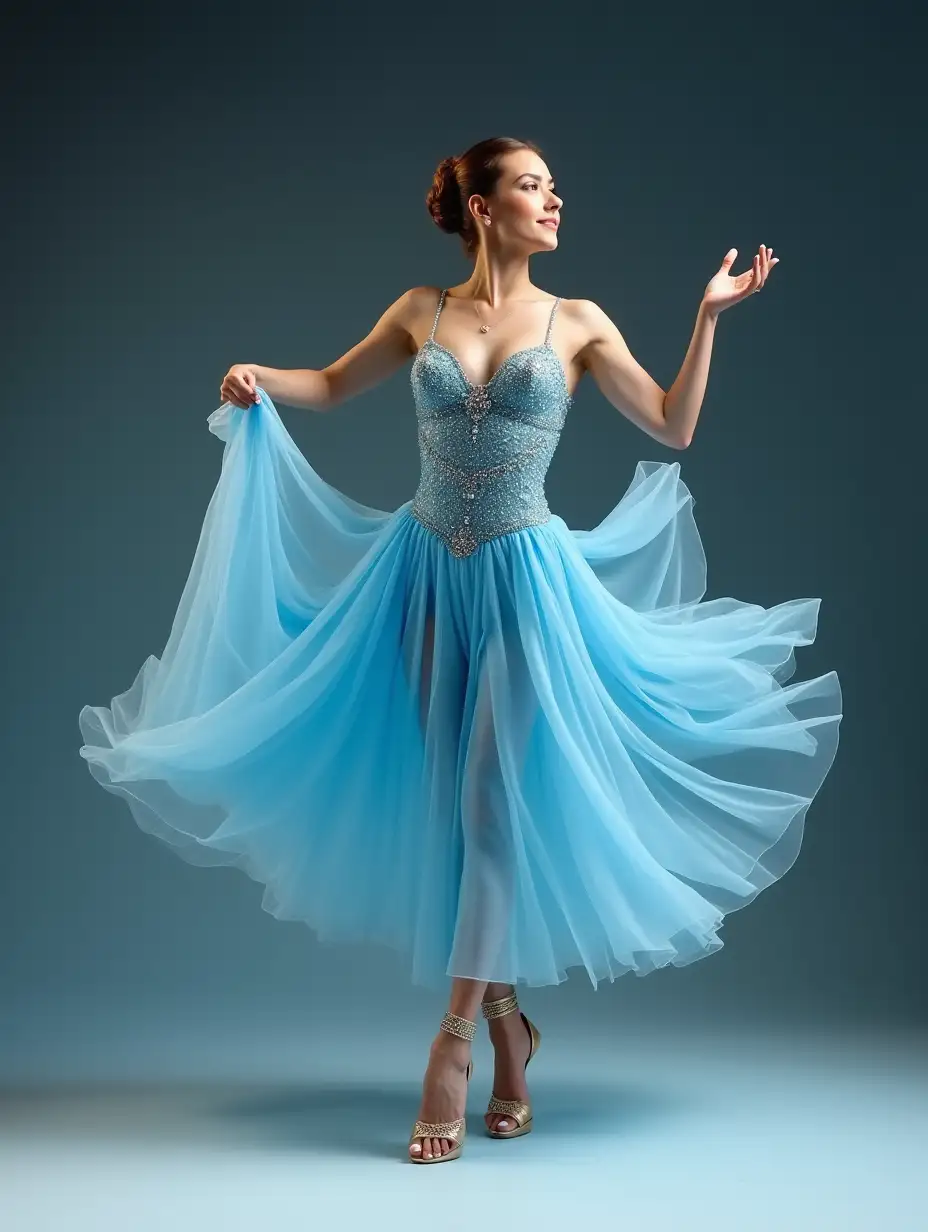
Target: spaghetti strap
point(551, 321)
point(441, 300)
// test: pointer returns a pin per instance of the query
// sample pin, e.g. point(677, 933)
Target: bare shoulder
point(415, 300)
point(589, 320)
point(587, 333)
point(595, 335)
point(425, 295)
point(414, 310)
point(399, 324)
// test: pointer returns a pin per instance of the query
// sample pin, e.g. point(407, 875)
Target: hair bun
point(443, 199)
point(462, 176)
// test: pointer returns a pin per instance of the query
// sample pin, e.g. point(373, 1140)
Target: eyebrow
point(533, 176)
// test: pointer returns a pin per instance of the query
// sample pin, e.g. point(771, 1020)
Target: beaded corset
point(485, 449)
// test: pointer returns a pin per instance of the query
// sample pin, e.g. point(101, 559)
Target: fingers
point(236, 394)
point(724, 290)
point(239, 388)
point(763, 264)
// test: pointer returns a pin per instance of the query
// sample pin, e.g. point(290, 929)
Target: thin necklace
point(484, 328)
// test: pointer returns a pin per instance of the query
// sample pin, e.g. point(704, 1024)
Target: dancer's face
point(524, 208)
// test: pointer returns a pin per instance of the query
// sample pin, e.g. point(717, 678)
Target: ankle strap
point(496, 1009)
point(454, 1024)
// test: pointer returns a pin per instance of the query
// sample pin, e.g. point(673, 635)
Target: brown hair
point(477, 170)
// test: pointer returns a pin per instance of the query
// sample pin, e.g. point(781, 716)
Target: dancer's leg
point(444, 1088)
point(503, 723)
point(499, 713)
point(511, 1046)
point(500, 693)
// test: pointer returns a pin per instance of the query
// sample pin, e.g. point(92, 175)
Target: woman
point(461, 728)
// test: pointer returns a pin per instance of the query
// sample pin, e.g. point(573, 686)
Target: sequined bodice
point(485, 449)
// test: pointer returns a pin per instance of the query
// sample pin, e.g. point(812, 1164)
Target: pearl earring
point(487, 221)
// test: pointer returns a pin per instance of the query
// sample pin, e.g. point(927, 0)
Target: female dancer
point(501, 745)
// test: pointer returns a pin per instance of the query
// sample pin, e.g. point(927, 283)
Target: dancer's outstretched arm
point(385, 349)
point(668, 417)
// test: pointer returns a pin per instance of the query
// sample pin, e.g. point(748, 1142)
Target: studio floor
point(790, 1131)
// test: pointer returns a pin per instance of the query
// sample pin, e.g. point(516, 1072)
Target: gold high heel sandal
point(454, 1131)
point(518, 1110)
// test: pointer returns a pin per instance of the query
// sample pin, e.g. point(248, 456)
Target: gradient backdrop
point(186, 188)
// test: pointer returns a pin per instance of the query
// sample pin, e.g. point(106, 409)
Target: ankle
point(502, 1012)
point(451, 1048)
point(496, 992)
point(506, 1026)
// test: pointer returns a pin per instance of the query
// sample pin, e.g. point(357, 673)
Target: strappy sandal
point(454, 1131)
point(518, 1110)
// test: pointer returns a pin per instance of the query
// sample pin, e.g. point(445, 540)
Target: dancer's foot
point(444, 1091)
point(512, 1043)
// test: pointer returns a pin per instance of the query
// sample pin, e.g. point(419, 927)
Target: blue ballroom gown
point(462, 729)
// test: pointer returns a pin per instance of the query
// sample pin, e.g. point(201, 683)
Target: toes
point(428, 1148)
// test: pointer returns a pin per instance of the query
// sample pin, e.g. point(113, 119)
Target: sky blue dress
point(462, 729)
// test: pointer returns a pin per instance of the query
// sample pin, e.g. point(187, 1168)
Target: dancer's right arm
point(385, 349)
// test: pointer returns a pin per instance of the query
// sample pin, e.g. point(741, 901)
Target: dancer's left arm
point(668, 417)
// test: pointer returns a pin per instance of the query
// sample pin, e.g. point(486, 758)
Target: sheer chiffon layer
point(547, 754)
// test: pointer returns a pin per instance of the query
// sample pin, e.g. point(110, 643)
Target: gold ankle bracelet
point(496, 1009)
point(454, 1024)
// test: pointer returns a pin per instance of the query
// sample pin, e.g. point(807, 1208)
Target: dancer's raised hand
point(725, 289)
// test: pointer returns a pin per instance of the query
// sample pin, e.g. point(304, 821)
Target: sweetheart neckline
point(541, 346)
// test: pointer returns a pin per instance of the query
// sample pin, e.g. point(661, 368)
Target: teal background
point(185, 190)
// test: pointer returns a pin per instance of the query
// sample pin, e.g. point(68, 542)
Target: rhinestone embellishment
point(502, 529)
point(438, 1129)
point(518, 1109)
point(485, 448)
point(477, 404)
point(496, 1009)
point(463, 541)
point(454, 1024)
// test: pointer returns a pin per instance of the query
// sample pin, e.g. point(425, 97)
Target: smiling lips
point(549, 222)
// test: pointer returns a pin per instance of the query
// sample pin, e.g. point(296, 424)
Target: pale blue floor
point(787, 1131)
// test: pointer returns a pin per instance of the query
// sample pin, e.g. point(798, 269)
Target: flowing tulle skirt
point(550, 753)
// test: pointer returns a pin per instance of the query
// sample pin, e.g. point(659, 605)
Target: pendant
point(484, 329)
